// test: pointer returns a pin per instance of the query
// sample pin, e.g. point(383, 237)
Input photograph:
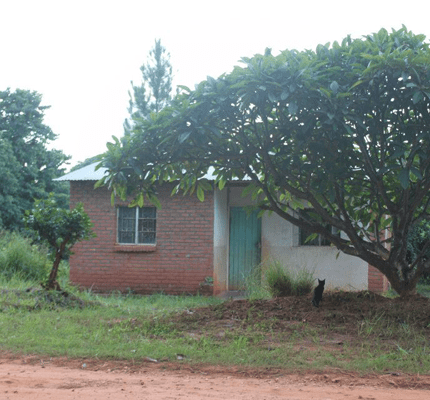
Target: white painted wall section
point(221, 238)
point(280, 241)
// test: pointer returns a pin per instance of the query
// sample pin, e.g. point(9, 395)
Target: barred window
point(318, 240)
point(137, 225)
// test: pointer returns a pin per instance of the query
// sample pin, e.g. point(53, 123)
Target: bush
point(59, 229)
point(418, 236)
point(272, 279)
point(20, 259)
point(279, 280)
point(303, 282)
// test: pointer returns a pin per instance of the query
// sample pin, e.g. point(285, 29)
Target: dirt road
point(34, 378)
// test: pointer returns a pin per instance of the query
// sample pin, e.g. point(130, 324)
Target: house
point(187, 243)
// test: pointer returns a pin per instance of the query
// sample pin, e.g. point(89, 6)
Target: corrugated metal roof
point(87, 173)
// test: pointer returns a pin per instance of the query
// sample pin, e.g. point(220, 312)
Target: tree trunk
point(52, 283)
point(405, 286)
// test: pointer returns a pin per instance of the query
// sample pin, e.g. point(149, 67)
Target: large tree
point(343, 130)
point(155, 90)
point(27, 166)
point(9, 185)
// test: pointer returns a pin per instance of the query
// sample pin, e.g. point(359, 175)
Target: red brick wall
point(377, 282)
point(180, 261)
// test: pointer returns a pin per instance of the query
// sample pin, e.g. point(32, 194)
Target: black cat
point(318, 292)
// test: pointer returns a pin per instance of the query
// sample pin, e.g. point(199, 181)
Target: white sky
point(81, 55)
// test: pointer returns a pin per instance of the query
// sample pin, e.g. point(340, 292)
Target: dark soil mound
point(337, 308)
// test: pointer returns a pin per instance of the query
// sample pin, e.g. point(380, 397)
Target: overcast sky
point(81, 55)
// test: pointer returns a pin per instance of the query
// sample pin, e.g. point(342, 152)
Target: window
point(136, 225)
point(317, 241)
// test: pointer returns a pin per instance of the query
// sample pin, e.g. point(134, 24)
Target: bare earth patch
point(30, 377)
point(344, 309)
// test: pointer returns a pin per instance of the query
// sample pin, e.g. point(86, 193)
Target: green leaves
point(334, 86)
point(293, 108)
point(59, 228)
point(183, 137)
point(417, 97)
point(154, 93)
point(55, 225)
point(404, 178)
point(27, 167)
point(200, 193)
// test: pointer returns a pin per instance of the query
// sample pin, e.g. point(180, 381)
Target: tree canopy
point(27, 166)
point(154, 92)
point(343, 130)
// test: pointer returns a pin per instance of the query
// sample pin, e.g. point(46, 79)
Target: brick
point(377, 281)
point(182, 259)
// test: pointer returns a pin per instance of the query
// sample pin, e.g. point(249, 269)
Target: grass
point(422, 288)
point(117, 326)
point(160, 327)
point(272, 279)
point(20, 258)
point(348, 331)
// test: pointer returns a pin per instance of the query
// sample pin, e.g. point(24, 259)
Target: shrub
point(59, 229)
point(279, 280)
point(20, 259)
point(253, 287)
point(303, 282)
point(418, 236)
point(272, 279)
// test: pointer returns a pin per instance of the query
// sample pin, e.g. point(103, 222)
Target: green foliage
point(59, 228)
point(154, 93)
point(282, 281)
point(21, 259)
point(279, 281)
point(417, 239)
point(272, 279)
point(27, 167)
point(304, 281)
point(419, 242)
point(86, 162)
point(10, 209)
point(344, 130)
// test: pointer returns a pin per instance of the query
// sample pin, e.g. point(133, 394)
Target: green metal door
point(245, 244)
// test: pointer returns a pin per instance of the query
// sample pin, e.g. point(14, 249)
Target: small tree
point(60, 229)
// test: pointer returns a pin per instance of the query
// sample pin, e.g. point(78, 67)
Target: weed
point(254, 287)
point(240, 342)
point(19, 258)
point(272, 279)
point(279, 280)
point(303, 282)
point(368, 326)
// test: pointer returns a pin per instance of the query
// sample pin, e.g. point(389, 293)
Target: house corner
point(377, 281)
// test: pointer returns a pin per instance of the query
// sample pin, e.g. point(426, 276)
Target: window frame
point(136, 233)
point(319, 241)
